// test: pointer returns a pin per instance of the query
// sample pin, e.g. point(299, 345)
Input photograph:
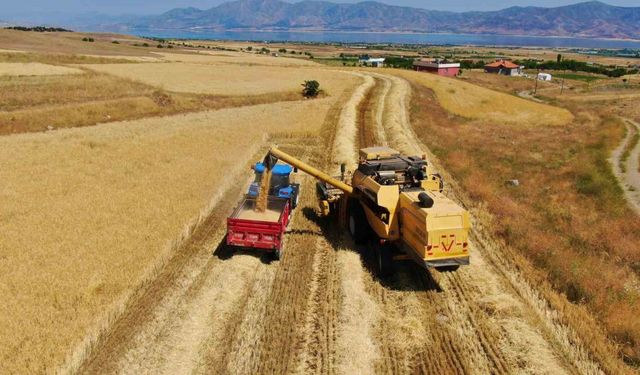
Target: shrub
point(311, 89)
point(161, 98)
point(160, 46)
point(115, 42)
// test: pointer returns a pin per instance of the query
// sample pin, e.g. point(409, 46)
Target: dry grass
point(104, 202)
point(475, 102)
point(72, 44)
point(34, 69)
point(568, 215)
point(224, 79)
point(60, 58)
point(24, 93)
point(511, 85)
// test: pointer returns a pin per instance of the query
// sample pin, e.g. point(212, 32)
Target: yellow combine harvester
point(393, 204)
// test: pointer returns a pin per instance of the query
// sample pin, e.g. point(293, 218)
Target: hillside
point(589, 19)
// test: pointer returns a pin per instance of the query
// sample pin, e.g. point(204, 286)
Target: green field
point(578, 77)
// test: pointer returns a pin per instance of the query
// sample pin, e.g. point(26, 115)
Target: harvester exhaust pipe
point(425, 200)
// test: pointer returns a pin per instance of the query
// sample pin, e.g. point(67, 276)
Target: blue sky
point(9, 7)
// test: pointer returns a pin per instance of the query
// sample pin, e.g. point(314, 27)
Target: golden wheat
point(34, 69)
point(224, 79)
point(476, 102)
point(238, 58)
point(104, 202)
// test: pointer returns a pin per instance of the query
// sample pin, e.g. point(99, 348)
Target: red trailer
point(259, 230)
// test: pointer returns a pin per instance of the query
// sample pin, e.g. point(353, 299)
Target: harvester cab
point(280, 186)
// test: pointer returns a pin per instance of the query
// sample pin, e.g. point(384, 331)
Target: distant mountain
point(589, 19)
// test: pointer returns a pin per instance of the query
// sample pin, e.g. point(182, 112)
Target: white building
point(544, 77)
point(375, 62)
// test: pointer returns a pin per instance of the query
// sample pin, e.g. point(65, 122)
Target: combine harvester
point(391, 203)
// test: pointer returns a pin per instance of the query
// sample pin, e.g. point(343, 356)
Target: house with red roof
point(504, 67)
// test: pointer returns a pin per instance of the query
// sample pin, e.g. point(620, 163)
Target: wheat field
point(112, 251)
point(238, 58)
point(106, 202)
point(223, 79)
point(34, 69)
point(476, 102)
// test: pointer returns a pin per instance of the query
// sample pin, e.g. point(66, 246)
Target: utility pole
point(562, 85)
point(535, 91)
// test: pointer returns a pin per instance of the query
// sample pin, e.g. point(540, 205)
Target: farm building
point(504, 67)
point(375, 62)
point(544, 77)
point(437, 67)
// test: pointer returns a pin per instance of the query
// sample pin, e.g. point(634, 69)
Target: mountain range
point(588, 19)
point(592, 19)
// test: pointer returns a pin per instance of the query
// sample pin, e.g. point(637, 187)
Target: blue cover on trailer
point(278, 169)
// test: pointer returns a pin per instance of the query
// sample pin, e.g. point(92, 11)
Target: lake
point(401, 38)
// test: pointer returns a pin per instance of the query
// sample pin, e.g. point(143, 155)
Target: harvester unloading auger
point(395, 206)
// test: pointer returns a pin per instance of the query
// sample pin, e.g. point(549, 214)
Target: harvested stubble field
point(222, 79)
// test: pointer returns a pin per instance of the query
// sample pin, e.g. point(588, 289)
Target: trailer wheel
point(296, 199)
point(358, 226)
point(277, 254)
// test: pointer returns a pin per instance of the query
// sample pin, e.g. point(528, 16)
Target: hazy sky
point(159, 6)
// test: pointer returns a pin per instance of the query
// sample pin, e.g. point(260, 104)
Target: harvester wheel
point(384, 259)
point(358, 226)
point(448, 268)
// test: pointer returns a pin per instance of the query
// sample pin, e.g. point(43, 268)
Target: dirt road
point(319, 310)
point(628, 171)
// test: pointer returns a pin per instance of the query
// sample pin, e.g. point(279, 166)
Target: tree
point(249, 48)
point(559, 58)
point(311, 89)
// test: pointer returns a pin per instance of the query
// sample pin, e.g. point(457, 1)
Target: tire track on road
point(629, 178)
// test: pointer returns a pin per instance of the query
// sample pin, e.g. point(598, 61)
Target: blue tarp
point(278, 169)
